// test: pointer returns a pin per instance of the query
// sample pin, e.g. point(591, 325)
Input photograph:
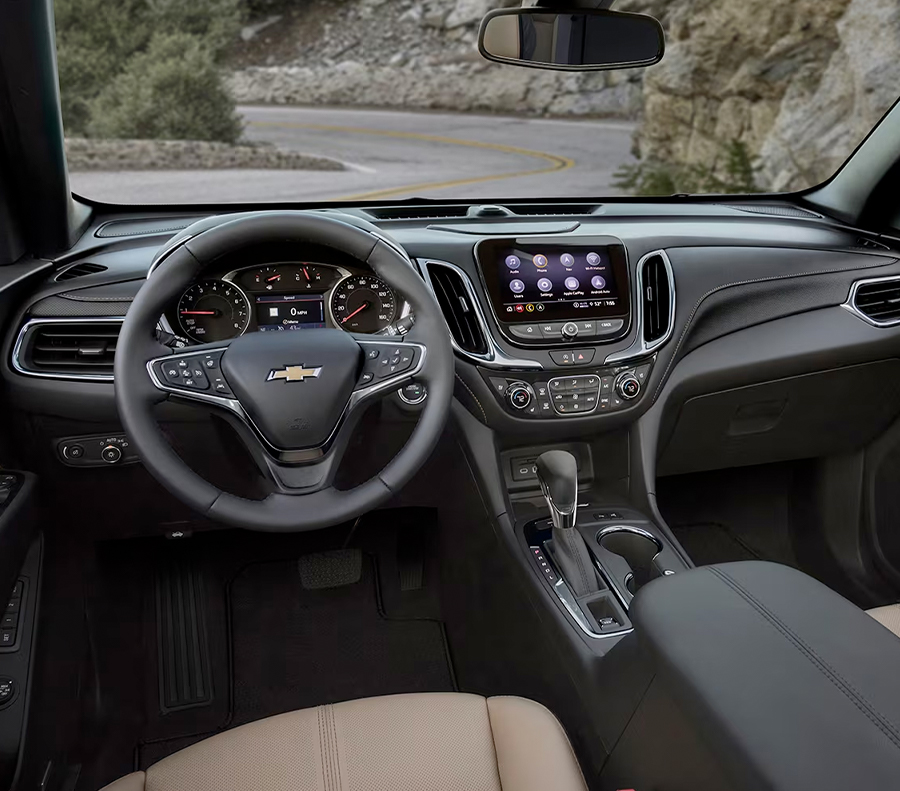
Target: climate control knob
point(628, 386)
point(520, 395)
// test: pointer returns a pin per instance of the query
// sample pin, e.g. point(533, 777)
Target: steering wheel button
point(182, 363)
point(373, 354)
point(367, 377)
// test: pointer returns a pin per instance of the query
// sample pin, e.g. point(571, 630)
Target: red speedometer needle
point(360, 309)
point(198, 313)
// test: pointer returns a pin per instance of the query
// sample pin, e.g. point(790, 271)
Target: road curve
point(395, 155)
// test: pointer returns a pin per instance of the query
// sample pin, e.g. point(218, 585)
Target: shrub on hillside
point(97, 41)
point(171, 91)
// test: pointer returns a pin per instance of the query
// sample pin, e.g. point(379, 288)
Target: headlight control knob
point(628, 386)
point(111, 454)
point(519, 395)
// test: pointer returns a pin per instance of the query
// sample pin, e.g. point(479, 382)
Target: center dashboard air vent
point(877, 300)
point(457, 306)
point(67, 349)
point(657, 298)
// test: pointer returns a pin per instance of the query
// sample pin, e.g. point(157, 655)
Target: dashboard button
point(526, 331)
point(111, 454)
point(609, 327)
point(586, 329)
point(573, 357)
point(570, 330)
point(551, 330)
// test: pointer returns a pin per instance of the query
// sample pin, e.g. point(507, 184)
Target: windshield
point(166, 101)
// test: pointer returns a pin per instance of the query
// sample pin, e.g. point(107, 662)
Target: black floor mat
point(295, 648)
point(731, 515)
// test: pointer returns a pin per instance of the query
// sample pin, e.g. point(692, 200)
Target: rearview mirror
point(580, 40)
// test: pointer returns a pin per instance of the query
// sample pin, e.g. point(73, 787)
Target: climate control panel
point(542, 395)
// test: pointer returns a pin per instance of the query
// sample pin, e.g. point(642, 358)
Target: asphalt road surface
point(395, 155)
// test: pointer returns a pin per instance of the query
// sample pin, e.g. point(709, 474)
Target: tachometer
point(213, 310)
point(363, 303)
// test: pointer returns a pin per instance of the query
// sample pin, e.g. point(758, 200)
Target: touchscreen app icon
point(572, 283)
point(593, 259)
point(541, 261)
point(545, 284)
point(567, 259)
point(513, 262)
point(598, 282)
point(517, 286)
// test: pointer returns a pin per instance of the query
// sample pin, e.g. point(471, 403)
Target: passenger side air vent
point(80, 270)
point(879, 301)
point(68, 349)
point(657, 298)
point(456, 304)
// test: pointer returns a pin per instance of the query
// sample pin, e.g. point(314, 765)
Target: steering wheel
point(294, 397)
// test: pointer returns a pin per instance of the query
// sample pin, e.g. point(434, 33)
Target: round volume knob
point(570, 330)
point(111, 454)
point(628, 386)
point(519, 396)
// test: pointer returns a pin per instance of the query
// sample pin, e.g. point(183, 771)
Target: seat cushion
point(888, 616)
point(423, 742)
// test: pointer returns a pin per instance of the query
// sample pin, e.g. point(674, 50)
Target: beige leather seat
point(426, 742)
point(888, 616)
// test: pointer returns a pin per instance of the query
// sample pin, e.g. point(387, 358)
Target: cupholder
point(637, 547)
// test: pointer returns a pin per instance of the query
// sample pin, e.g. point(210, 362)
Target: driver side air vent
point(68, 349)
point(456, 305)
point(657, 298)
point(879, 301)
point(80, 270)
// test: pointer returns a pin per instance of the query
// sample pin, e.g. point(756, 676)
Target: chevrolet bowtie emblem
point(293, 373)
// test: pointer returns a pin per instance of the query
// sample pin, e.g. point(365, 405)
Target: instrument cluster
point(286, 297)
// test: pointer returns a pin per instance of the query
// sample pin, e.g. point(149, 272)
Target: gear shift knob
point(557, 472)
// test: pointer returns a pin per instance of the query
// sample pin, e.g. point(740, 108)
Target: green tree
point(173, 90)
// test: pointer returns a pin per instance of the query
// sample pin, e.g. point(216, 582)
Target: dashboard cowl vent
point(453, 297)
point(657, 299)
point(777, 211)
point(879, 301)
point(417, 212)
point(80, 270)
point(70, 349)
point(864, 243)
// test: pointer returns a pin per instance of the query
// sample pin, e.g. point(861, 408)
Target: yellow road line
point(556, 162)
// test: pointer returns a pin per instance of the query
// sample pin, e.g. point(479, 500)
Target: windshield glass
point(166, 101)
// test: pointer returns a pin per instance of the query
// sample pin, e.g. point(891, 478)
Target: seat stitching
point(849, 691)
point(724, 286)
point(337, 755)
point(326, 752)
point(557, 724)
point(574, 550)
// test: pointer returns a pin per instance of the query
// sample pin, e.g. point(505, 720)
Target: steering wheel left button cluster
point(198, 373)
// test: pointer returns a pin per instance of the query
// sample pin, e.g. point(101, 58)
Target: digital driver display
point(571, 282)
point(284, 312)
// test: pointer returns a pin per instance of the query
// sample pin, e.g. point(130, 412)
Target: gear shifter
point(558, 475)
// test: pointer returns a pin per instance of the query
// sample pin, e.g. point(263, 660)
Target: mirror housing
point(576, 40)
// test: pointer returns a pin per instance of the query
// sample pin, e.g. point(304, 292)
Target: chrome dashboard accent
point(495, 357)
point(357, 398)
point(19, 367)
point(640, 347)
point(850, 304)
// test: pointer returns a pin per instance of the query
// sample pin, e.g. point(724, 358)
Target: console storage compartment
point(760, 678)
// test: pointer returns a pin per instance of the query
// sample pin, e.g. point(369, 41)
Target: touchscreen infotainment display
point(538, 283)
point(281, 312)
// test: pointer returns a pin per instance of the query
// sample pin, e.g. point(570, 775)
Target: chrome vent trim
point(852, 303)
point(495, 357)
point(641, 346)
point(28, 329)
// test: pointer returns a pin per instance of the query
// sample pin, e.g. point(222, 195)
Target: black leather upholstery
point(786, 684)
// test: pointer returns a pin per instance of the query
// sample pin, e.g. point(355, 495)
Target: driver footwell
point(275, 623)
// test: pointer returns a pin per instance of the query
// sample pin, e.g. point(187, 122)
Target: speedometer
point(213, 310)
point(363, 303)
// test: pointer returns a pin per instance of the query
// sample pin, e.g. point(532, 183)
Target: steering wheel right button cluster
point(385, 360)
